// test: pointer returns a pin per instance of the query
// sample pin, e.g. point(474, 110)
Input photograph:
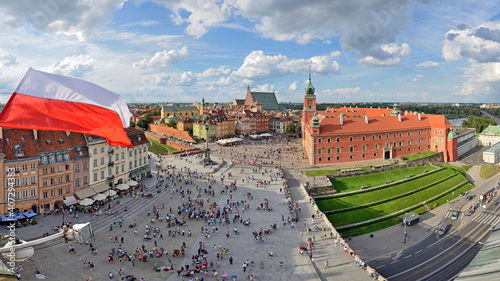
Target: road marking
point(394, 262)
point(380, 266)
point(447, 214)
point(418, 252)
point(490, 220)
point(437, 255)
point(495, 222)
point(407, 256)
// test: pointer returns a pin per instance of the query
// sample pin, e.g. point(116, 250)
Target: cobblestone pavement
point(56, 263)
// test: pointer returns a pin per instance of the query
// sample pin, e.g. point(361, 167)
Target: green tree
point(132, 124)
point(143, 123)
point(290, 128)
point(479, 122)
point(171, 123)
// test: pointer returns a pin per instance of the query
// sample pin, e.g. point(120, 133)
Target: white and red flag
point(45, 101)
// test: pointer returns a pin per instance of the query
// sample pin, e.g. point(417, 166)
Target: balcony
point(111, 163)
point(111, 150)
point(109, 178)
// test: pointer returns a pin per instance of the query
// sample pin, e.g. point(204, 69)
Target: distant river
point(457, 122)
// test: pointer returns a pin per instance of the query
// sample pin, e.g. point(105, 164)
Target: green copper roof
point(395, 110)
point(492, 129)
point(310, 88)
point(452, 135)
point(315, 121)
point(268, 100)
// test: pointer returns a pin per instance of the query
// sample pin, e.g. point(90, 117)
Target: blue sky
point(181, 50)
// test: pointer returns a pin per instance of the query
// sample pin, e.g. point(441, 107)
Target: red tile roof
point(134, 134)
point(55, 138)
point(24, 138)
point(330, 123)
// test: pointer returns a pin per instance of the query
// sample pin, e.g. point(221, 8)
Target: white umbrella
point(109, 193)
point(99, 197)
point(132, 183)
point(86, 202)
point(122, 186)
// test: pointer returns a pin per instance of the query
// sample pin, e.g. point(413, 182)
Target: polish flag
point(45, 101)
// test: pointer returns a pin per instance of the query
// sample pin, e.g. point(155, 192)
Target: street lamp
point(62, 225)
point(404, 221)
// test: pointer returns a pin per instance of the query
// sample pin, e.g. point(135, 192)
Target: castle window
point(338, 158)
point(338, 139)
point(319, 140)
point(351, 148)
point(350, 138)
point(329, 140)
point(364, 137)
point(319, 159)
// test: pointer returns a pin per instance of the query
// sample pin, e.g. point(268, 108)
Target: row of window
point(52, 157)
point(85, 166)
point(24, 193)
point(85, 181)
point(375, 136)
point(54, 181)
point(45, 194)
point(110, 172)
point(320, 159)
point(53, 169)
point(364, 147)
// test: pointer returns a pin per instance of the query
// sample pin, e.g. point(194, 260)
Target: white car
point(454, 216)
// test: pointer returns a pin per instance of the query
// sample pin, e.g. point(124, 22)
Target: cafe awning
point(70, 200)
point(85, 193)
point(100, 187)
point(29, 214)
point(14, 217)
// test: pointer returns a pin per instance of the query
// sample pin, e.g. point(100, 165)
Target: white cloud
point(264, 88)
point(384, 55)
point(73, 66)
point(293, 86)
point(8, 60)
point(163, 59)
point(187, 79)
point(428, 63)
point(199, 15)
point(141, 23)
point(342, 91)
point(77, 17)
point(214, 72)
point(257, 66)
point(414, 80)
point(481, 46)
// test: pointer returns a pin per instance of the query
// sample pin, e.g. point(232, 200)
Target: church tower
point(309, 97)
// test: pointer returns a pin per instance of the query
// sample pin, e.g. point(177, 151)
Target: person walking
point(245, 267)
point(326, 264)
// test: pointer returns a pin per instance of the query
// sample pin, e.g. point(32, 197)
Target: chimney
point(379, 107)
point(406, 112)
point(68, 133)
point(35, 133)
point(387, 108)
point(419, 117)
point(341, 119)
point(366, 119)
point(399, 117)
point(1, 133)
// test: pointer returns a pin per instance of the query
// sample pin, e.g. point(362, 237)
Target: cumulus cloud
point(264, 88)
point(384, 55)
point(257, 66)
point(199, 15)
point(293, 86)
point(363, 26)
point(214, 72)
point(73, 66)
point(481, 46)
point(8, 60)
point(431, 64)
point(78, 17)
point(187, 79)
point(163, 59)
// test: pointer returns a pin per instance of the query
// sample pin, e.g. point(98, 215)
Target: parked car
point(470, 197)
point(454, 215)
point(442, 230)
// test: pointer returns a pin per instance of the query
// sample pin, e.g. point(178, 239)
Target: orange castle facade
point(358, 134)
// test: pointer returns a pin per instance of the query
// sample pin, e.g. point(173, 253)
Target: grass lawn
point(158, 148)
point(372, 227)
point(419, 155)
point(355, 183)
point(333, 203)
point(487, 171)
point(376, 211)
point(467, 167)
point(320, 173)
point(449, 196)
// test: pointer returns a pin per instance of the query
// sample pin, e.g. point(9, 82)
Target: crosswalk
point(485, 218)
point(448, 215)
